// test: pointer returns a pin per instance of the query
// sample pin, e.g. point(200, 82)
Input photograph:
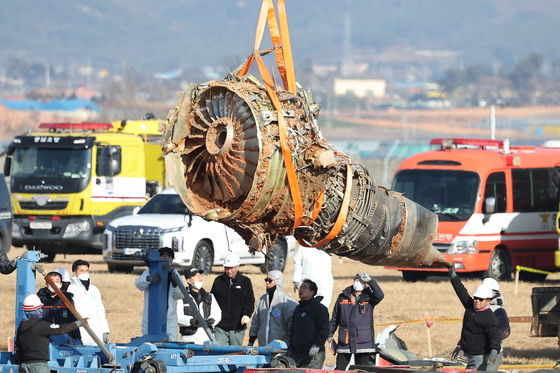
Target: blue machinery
point(149, 353)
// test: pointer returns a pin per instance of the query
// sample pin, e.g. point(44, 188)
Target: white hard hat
point(491, 283)
point(31, 303)
point(483, 291)
point(231, 260)
point(64, 274)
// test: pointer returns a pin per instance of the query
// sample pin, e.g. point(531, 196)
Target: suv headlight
point(74, 229)
point(170, 230)
point(463, 247)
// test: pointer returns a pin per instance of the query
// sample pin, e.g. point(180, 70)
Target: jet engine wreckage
point(250, 154)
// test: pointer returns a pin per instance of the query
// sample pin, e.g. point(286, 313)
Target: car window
point(164, 204)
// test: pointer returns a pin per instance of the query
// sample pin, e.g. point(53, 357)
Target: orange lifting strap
point(280, 35)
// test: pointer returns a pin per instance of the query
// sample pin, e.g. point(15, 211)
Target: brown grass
point(403, 301)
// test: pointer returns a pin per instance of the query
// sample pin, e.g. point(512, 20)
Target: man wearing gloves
point(496, 305)
point(315, 265)
point(32, 338)
point(480, 336)
point(189, 328)
point(234, 293)
point(273, 315)
point(143, 282)
point(353, 317)
point(309, 329)
point(88, 302)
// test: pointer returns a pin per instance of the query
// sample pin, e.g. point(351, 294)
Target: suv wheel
point(276, 257)
point(117, 268)
point(203, 256)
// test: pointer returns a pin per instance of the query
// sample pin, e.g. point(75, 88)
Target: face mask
point(358, 286)
point(198, 285)
point(51, 289)
point(83, 276)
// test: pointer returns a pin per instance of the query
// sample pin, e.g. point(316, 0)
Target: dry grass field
point(403, 301)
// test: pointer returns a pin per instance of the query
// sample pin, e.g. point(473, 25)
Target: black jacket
point(480, 332)
point(6, 266)
point(356, 320)
point(32, 339)
point(55, 311)
point(310, 325)
point(235, 298)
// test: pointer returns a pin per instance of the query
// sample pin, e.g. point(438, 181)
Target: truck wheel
point(276, 257)
point(499, 267)
point(413, 276)
point(117, 268)
point(203, 257)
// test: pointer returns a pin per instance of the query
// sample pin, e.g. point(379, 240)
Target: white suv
point(165, 222)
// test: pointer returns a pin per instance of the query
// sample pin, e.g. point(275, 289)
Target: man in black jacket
point(353, 315)
point(7, 266)
point(32, 338)
point(480, 336)
point(54, 309)
point(234, 294)
point(309, 329)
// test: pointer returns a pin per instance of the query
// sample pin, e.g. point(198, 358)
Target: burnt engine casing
point(223, 156)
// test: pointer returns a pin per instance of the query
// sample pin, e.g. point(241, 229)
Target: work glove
point(154, 279)
point(313, 351)
point(296, 286)
point(194, 322)
point(210, 321)
point(492, 358)
point(455, 353)
point(364, 277)
point(245, 320)
point(105, 338)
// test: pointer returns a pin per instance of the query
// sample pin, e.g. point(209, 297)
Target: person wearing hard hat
point(234, 293)
point(273, 314)
point(32, 337)
point(480, 336)
point(54, 309)
point(496, 305)
point(88, 302)
point(173, 295)
point(189, 328)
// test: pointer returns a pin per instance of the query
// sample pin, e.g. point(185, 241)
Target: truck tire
point(203, 256)
point(118, 268)
point(499, 267)
point(276, 257)
point(413, 276)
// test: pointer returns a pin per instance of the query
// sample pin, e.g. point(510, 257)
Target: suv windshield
point(164, 204)
point(450, 194)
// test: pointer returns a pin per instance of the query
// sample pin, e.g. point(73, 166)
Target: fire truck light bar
point(449, 143)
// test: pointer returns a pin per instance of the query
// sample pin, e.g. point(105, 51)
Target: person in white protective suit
point(144, 281)
point(88, 303)
point(316, 265)
point(190, 329)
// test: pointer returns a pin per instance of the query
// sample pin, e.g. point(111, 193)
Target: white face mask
point(83, 276)
point(51, 289)
point(358, 286)
point(198, 285)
